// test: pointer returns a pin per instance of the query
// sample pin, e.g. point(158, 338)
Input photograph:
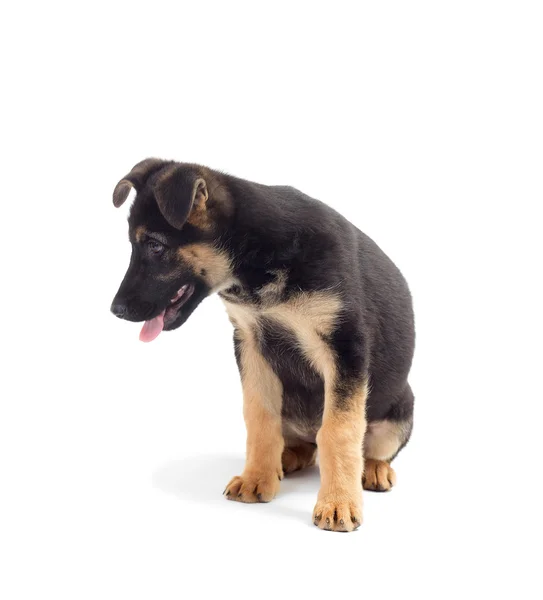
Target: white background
point(422, 123)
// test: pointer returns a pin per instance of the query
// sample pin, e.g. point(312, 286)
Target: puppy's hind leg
point(383, 440)
point(297, 455)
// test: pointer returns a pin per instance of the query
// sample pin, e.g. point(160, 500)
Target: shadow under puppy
point(323, 324)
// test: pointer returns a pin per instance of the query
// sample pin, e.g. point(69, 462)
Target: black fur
point(303, 387)
point(270, 229)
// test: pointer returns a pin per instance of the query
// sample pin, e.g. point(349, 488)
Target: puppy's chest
point(305, 319)
point(292, 337)
point(292, 334)
point(289, 342)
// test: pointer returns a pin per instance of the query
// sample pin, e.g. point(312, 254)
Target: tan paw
point(378, 476)
point(338, 512)
point(253, 487)
point(298, 457)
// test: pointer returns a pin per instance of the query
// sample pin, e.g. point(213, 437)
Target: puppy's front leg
point(340, 438)
point(262, 398)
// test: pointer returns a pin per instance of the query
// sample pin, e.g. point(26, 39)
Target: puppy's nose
point(118, 309)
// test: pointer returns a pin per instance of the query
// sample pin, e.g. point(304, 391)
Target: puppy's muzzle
point(119, 309)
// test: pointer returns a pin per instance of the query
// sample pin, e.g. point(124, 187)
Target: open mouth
point(151, 329)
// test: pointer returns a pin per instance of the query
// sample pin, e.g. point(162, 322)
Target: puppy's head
point(173, 224)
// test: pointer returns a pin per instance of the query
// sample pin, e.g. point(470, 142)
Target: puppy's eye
point(155, 247)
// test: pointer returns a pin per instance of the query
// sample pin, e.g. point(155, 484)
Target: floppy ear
point(178, 191)
point(121, 191)
point(135, 179)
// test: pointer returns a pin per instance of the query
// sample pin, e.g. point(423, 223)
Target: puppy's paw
point(253, 487)
point(338, 512)
point(298, 457)
point(378, 476)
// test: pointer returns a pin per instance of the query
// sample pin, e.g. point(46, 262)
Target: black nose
point(119, 310)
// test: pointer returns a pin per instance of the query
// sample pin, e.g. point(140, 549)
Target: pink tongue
point(152, 328)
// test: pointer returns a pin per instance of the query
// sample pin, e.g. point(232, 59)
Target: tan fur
point(140, 233)
point(211, 264)
point(241, 318)
point(271, 292)
point(339, 504)
point(308, 315)
point(298, 457)
point(378, 475)
point(384, 438)
point(200, 195)
point(299, 430)
point(257, 377)
point(208, 188)
point(311, 316)
point(199, 216)
point(262, 398)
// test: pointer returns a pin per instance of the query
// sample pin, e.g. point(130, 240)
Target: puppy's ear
point(121, 191)
point(180, 190)
point(135, 179)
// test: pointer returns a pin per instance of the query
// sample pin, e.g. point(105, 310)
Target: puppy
point(323, 324)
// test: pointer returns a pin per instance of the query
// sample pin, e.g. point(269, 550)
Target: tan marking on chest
point(260, 383)
point(309, 315)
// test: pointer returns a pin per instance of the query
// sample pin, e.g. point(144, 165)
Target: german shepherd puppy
point(323, 324)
